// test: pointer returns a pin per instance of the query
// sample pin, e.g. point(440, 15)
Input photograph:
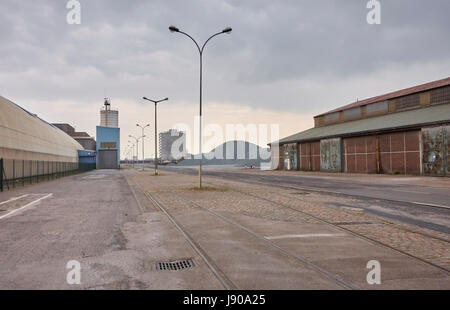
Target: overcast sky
point(284, 62)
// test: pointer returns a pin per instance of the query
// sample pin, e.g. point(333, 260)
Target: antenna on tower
point(107, 104)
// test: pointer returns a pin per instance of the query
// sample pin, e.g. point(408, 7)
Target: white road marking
point(26, 206)
point(12, 199)
point(432, 205)
point(303, 236)
point(408, 191)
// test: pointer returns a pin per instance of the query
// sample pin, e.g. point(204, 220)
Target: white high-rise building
point(108, 117)
point(172, 145)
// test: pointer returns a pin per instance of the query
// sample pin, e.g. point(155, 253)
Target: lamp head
point(174, 29)
point(227, 30)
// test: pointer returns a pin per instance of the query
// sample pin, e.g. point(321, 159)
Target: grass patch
point(209, 189)
point(158, 175)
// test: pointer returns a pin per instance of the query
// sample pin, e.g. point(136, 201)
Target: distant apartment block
point(172, 145)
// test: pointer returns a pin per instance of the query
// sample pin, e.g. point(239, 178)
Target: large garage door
point(400, 152)
point(436, 149)
point(360, 154)
point(309, 156)
point(330, 154)
point(107, 159)
point(290, 156)
point(397, 152)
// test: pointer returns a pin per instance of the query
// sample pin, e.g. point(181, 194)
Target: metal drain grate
point(175, 265)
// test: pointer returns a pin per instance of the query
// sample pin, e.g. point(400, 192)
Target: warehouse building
point(86, 141)
point(403, 132)
point(25, 136)
point(108, 138)
point(30, 147)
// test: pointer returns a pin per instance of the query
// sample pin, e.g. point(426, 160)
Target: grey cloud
point(125, 47)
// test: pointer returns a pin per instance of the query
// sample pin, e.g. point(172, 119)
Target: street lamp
point(200, 50)
point(131, 149)
point(137, 146)
point(143, 158)
point(156, 129)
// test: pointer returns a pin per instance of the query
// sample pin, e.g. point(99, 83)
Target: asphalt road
point(406, 201)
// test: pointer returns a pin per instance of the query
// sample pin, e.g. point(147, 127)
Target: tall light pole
point(200, 50)
point(137, 145)
point(143, 156)
point(156, 129)
point(132, 152)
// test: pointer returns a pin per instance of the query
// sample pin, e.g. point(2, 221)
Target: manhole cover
point(175, 265)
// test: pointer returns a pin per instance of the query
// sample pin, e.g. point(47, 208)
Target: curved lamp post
point(200, 50)
point(131, 145)
point(137, 146)
point(156, 129)
point(143, 136)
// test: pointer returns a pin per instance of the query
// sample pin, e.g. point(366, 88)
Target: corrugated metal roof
point(399, 93)
point(26, 132)
point(401, 120)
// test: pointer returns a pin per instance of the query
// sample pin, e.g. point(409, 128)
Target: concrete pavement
point(105, 220)
point(421, 201)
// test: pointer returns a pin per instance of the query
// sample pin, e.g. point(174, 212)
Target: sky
point(284, 62)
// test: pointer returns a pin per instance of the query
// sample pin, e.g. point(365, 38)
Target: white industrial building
point(25, 136)
point(172, 145)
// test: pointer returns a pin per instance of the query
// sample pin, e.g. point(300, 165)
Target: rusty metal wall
point(400, 152)
point(436, 146)
point(309, 156)
point(331, 154)
point(360, 154)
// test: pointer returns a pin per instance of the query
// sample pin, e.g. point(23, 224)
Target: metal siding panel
point(446, 130)
point(330, 154)
point(434, 149)
point(107, 159)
